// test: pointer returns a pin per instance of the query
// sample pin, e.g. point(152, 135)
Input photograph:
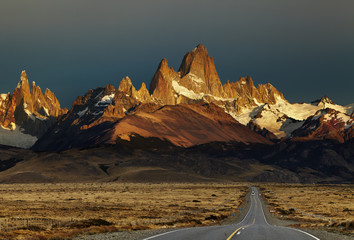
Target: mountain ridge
point(263, 109)
point(188, 122)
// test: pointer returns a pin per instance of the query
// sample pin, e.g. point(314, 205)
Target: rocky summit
point(197, 80)
point(27, 114)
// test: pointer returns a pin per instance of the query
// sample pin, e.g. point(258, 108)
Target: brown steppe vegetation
point(64, 210)
point(325, 207)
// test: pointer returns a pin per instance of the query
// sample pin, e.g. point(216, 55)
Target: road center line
point(232, 234)
point(243, 227)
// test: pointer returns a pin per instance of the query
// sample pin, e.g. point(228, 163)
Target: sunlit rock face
point(28, 113)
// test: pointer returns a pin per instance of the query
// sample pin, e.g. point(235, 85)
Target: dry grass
point(116, 207)
point(329, 207)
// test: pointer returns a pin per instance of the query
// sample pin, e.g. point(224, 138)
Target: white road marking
point(303, 232)
point(239, 232)
point(161, 234)
point(249, 211)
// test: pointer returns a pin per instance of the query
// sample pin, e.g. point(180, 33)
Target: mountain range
point(181, 114)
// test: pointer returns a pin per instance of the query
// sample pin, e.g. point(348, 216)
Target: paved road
point(253, 227)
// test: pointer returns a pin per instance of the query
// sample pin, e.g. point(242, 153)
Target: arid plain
point(64, 210)
point(327, 207)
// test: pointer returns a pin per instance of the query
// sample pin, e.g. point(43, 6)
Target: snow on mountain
point(181, 90)
point(282, 118)
point(196, 82)
point(83, 112)
point(326, 124)
point(16, 137)
point(3, 97)
point(28, 113)
point(105, 100)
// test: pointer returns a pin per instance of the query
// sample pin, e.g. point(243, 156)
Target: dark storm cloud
point(305, 48)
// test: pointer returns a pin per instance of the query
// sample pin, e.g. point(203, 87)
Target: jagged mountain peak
point(23, 84)
point(47, 92)
point(246, 80)
point(198, 80)
point(325, 99)
point(200, 48)
point(24, 76)
point(31, 111)
point(126, 86)
point(322, 101)
point(163, 64)
point(199, 63)
point(143, 85)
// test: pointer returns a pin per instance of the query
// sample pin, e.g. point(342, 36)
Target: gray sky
point(305, 48)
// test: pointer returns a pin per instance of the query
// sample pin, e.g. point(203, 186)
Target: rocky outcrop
point(142, 95)
point(126, 86)
point(198, 73)
point(198, 81)
point(161, 84)
point(29, 109)
point(262, 131)
point(323, 101)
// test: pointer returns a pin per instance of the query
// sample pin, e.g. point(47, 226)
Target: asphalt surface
point(254, 226)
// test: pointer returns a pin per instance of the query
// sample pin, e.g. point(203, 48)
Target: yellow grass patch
point(66, 210)
point(317, 206)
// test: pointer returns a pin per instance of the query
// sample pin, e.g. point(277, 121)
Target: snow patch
point(99, 94)
point(16, 138)
point(97, 113)
point(83, 112)
point(40, 118)
point(31, 115)
point(46, 111)
point(220, 99)
point(339, 116)
point(195, 79)
point(3, 96)
point(185, 91)
point(343, 109)
point(296, 111)
point(105, 101)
